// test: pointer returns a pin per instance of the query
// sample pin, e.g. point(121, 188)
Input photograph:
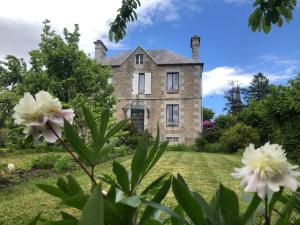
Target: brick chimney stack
point(100, 50)
point(195, 43)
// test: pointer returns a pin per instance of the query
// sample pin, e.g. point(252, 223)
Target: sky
point(228, 48)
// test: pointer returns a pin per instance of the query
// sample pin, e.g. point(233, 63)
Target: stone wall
point(188, 97)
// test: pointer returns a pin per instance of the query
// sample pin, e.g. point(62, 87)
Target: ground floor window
point(137, 119)
point(172, 115)
point(172, 139)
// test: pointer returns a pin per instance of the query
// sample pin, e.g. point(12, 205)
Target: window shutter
point(147, 83)
point(135, 84)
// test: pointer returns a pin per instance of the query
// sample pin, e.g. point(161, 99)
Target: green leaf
point(54, 191)
point(287, 212)
point(154, 184)
point(149, 211)
point(166, 210)
point(187, 202)
point(133, 201)
point(121, 175)
point(105, 149)
point(115, 129)
point(35, 220)
point(152, 222)
point(77, 201)
point(175, 221)
point(256, 200)
point(62, 184)
point(161, 150)
point(91, 123)
point(229, 214)
point(67, 216)
point(138, 161)
point(77, 143)
point(103, 124)
point(93, 212)
point(274, 199)
point(74, 186)
point(209, 213)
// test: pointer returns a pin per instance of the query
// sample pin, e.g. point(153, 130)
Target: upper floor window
point(139, 59)
point(172, 115)
point(173, 82)
point(141, 83)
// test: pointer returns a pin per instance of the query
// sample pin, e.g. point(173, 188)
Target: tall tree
point(234, 103)
point(258, 89)
point(208, 114)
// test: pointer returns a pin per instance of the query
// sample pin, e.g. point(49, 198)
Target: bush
point(45, 162)
point(64, 164)
point(211, 136)
point(225, 121)
point(200, 143)
point(215, 148)
point(179, 148)
point(239, 137)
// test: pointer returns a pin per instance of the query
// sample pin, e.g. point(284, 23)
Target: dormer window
point(139, 59)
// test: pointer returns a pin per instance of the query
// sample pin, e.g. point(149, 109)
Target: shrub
point(212, 136)
point(64, 164)
point(200, 143)
point(45, 162)
point(239, 136)
point(225, 121)
point(179, 148)
point(215, 148)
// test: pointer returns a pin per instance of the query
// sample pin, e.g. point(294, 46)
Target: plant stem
point(73, 156)
point(267, 219)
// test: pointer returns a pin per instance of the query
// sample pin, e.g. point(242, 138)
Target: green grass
point(202, 171)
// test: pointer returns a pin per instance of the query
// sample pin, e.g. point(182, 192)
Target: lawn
point(202, 171)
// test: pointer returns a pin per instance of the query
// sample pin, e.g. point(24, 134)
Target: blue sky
point(229, 49)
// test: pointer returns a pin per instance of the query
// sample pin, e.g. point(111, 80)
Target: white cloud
point(93, 17)
point(216, 80)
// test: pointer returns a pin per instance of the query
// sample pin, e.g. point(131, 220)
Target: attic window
point(139, 59)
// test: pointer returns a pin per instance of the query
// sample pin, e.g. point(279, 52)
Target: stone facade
point(154, 104)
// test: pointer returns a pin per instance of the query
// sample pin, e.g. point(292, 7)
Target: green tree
point(208, 114)
point(258, 89)
point(234, 103)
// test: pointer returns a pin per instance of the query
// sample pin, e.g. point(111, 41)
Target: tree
point(266, 13)
point(208, 114)
point(258, 89)
point(234, 103)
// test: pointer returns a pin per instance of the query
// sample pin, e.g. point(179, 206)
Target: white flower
point(39, 114)
point(10, 166)
point(266, 168)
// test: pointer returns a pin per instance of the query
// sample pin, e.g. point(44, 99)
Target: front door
point(137, 119)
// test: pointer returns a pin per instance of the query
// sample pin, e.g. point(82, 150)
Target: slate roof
point(160, 57)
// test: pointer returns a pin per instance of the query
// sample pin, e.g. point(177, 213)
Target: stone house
point(158, 86)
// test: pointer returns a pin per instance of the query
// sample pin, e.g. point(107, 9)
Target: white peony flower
point(266, 168)
point(10, 166)
point(38, 113)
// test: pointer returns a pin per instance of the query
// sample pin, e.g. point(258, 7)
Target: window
point(139, 59)
point(172, 82)
point(172, 115)
point(141, 83)
point(172, 139)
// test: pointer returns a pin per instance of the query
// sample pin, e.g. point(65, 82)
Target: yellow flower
point(40, 113)
point(266, 168)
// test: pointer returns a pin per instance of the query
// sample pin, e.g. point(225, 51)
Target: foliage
point(125, 15)
point(46, 162)
point(234, 104)
point(179, 147)
point(200, 143)
point(258, 89)
point(270, 12)
point(208, 114)
point(215, 148)
point(225, 121)
point(239, 137)
point(64, 164)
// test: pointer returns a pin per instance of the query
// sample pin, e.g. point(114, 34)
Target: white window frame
point(139, 59)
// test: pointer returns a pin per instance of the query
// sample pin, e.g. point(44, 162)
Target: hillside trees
point(57, 66)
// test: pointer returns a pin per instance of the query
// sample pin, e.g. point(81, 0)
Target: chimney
point(195, 43)
point(100, 50)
